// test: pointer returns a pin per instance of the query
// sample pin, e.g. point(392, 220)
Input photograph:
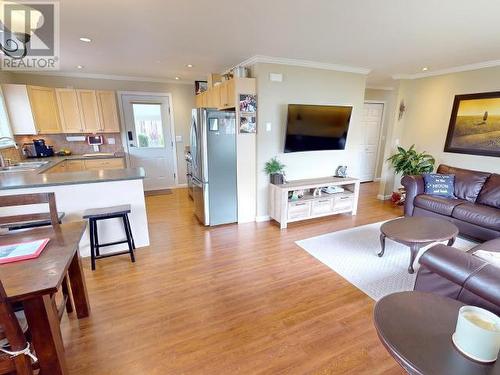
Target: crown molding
point(384, 88)
point(108, 76)
point(303, 63)
point(456, 69)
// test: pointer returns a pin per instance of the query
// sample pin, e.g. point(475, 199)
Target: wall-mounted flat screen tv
point(316, 127)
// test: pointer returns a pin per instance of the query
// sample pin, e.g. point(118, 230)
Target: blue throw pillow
point(440, 184)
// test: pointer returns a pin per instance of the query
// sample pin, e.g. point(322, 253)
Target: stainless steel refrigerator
point(213, 150)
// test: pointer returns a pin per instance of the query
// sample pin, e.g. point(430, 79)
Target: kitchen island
point(78, 191)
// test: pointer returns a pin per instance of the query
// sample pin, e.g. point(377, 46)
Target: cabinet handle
point(300, 204)
point(324, 201)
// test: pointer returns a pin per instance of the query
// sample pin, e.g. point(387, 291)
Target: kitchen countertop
point(37, 178)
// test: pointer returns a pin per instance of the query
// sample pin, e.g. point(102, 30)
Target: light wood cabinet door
point(89, 110)
point(114, 163)
point(75, 165)
point(198, 101)
point(108, 113)
point(227, 94)
point(214, 97)
point(44, 108)
point(69, 111)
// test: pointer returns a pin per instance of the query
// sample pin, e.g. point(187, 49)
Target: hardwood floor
point(235, 299)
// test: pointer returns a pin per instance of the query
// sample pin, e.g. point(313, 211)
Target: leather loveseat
point(460, 275)
point(475, 209)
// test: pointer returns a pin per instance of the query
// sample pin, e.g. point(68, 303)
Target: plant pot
point(276, 178)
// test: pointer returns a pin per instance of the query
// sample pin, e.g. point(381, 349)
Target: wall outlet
point(111, 141)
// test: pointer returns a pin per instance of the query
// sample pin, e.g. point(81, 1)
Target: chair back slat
point(30, 199)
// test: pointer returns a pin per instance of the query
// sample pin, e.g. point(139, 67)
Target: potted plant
point(409, 162)
point(276, 170)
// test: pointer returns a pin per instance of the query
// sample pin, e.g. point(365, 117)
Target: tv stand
point(286, 210)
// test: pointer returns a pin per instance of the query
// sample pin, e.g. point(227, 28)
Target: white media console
point(285, 210)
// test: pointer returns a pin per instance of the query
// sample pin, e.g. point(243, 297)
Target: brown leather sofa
point(461, 275)
point(475, 210)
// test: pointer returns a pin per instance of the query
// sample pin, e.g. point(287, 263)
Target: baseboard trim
point(179, 186)
point(384, 197)
point(259, 219)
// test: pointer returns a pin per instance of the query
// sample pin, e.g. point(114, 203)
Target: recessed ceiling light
point(424, 69)
point(177, 78)
point(79, 66)
point(85, 39)
point(189, 65)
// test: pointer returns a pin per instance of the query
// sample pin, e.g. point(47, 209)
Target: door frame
point(382, 121)
point(171, 118)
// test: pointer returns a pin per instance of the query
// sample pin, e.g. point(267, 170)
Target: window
point(5, 130)
point(148, 125)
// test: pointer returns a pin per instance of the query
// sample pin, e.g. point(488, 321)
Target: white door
point(149, 138)
point(371, 123)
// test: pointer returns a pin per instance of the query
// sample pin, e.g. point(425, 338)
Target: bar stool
point(96, 214)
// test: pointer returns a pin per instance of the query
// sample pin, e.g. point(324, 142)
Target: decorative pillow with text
point(440, 184)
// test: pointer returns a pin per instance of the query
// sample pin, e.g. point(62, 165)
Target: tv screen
point(316, 127)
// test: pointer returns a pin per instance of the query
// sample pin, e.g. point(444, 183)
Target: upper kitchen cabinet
point(69, 111)
point(89, 110)
point(19, 109)
point(108, 113)
point(44, 109)
point(225, 94)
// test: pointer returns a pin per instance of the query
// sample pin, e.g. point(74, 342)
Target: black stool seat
point(96, 214)
point(106, 211)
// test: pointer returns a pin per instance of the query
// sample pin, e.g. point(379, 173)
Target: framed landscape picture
point(475, 125)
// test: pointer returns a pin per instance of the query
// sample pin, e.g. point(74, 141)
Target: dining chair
point(32, 220)
point(15, 354)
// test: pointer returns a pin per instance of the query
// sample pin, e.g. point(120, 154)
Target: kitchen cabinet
point(69, 111)
point(214, 97)
point(43, 104)
point(108, 112)
point(89, 110)
point(227, 94)
point(115, 163)
point(18, 107)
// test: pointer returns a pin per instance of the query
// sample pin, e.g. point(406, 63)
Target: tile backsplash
point(59, 141)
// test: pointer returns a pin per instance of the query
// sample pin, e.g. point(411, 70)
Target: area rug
point(352, 253)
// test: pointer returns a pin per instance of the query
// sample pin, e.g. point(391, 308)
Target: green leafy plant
point(143, 140)
point(410, 162)
point(274, 166)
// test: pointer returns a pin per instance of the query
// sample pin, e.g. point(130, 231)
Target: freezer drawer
point(200, 192)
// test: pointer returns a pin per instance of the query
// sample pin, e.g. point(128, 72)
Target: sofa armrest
point(414, 186)
point(465, 270)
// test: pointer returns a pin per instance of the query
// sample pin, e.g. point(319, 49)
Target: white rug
point(352, 253)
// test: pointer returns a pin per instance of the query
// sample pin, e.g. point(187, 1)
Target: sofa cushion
point(437, 204)
point(484, 216)
point(491, 245)
point(468, 183)
point(490, 193)
point(439, 184)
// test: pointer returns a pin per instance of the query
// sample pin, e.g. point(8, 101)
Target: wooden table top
point(417, 229)
point(42, 275)
point(416, 329)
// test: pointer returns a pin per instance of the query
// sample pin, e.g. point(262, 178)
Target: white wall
point(303, 86)
point(182, 100)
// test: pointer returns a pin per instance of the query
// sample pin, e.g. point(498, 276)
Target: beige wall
point(303, 86)
point(429, 109)
point(388, 97)
point(182, 100)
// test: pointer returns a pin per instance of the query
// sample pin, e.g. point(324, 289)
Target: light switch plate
point(111, 141)
point(268, 126)
point(178, 138)
point(276, 77)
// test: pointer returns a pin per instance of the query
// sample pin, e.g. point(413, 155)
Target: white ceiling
point(157, 38)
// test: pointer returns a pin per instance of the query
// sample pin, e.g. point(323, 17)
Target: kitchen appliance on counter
point(41, 149)
point(213, 151)
point(189, 170)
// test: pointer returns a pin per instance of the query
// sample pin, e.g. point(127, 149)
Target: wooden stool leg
point(129, 239)
point(92, 246)
point(65, 291)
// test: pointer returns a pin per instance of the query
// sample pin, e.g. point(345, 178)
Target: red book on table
point(22, 250)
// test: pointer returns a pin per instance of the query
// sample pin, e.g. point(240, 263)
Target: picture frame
point(248, 103)
point(475, 125)
point(248, 123)
point(200, 86)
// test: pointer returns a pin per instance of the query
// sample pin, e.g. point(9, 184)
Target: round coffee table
point(416, 329)
point(416, 232)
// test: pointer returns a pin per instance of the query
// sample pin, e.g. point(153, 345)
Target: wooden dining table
point(34, 282)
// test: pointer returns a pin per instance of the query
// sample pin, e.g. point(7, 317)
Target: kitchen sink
point(24, 166)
